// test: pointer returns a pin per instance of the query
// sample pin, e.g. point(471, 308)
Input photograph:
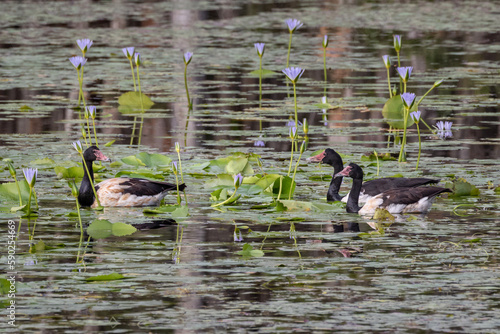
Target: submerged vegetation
point(252, 232)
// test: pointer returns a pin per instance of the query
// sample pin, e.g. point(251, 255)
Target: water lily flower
point(30, 174)
point(415, 116)
point(84, 44)
point(78, 146)
point(387, 61)
point(291, 123)
point(305, 126)
point(177, 147)
point(236, 238)
point(91, 111)
point(405, 72)
point(238, 180)
point(78, 61)
point(397, 42)
point(444, 129)
point(129, 52)
point(293, 132)
point(187, 57)
point(323, 99)
point(408, 99)
point(293, 73)
point(174, 167)
point(325, 41)
point(137, 58)
point(260, 48)
point(438, 83)
point(293, 24)
point(259, 143)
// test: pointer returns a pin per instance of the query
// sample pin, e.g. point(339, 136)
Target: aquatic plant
point(293, 24)
point(292, 135)
point(397, 47)
point(91, 110)
point(404, 74)
point(416, 118)
point(387, 63)
point(78, 63)
point(260, 47)
point(237, 181)
point(408, 101)
point(87, 116)
point(187, 59)
point(302, 149)
point(13, 173)
point(84, 45)
point(30, 174)
point(174, 169)
point(129, 53)
point(75, 192)
point(293, 74)
point(138, 62)
point(325, 45)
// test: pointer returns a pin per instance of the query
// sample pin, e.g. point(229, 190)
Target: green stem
point(405, 118)
point(226, 201)
point(324, 66)
point(432, 130)
point(260, 86)
point(389, 137)
point(80, 94)
point(133, 131)
point(28, 212)
point(90, 179)
point(291, 159)
point(404, 82)
point(378, 164)
point(400, 80)
point(142, 105)
point(294, 173)
point(19, 192)
point(265, 237)
point(95, 133)
point(281, 188)
point(295, 102)
point(289, 48)
point(133, 75)
point(389, 83)
point(419, 146)
point(425, 95)
point(177, 184)
point(186, 85)
point(88, 130)
point(180, 166)
point(81, 229)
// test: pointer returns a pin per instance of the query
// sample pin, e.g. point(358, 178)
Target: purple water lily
point(293, 73)
point(293, 24)
point(405, 72)
point(187, 57)
point(129, 52)
point(260, 48)
point(415, 116)
point(387, 61)
point(325, 41)
point(78, 61)
point(397, 42)
point(30, 174)
point(137, 58)
point(84, 44)
point(238, 180)
point(408, 99)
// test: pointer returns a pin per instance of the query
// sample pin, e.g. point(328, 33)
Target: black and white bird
point(120, 191)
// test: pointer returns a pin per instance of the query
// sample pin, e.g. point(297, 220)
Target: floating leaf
point(4, 286)
point(462, 187)
point(181, 212)
point(40, 163)
point(69, 173)
point(9, 191)
point(109, 277)
point(147, 159)
point(265, 73)
point(393, 113)
point(130, 103)
point(248, 251)
point(100, 229)
point(109, 143)
point(383, 214)
point(25, 108)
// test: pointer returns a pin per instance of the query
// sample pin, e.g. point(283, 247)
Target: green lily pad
point(109, 277)
point(130, 103)
point(462, 187)
point(248, 252)
point(147, 159)
point(100, 229)
point(9, 191)
point(393, 113)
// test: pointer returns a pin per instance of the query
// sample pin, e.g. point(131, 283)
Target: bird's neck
point(86, 194)
point(333, 190)
point(352, 201)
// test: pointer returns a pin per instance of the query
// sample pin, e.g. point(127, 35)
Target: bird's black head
point(352, 170)
point(93, 153)
point(328, 156)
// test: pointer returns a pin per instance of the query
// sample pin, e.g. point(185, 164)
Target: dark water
point(322, 270)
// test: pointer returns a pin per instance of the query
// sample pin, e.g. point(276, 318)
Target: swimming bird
point(397, 200)
point(120, 191)
point(369, 188)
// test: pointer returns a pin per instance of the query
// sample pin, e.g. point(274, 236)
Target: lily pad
point(393, 113)
point(248, 252)
point(130, 103)
point(100, 229)
point(109, 277)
